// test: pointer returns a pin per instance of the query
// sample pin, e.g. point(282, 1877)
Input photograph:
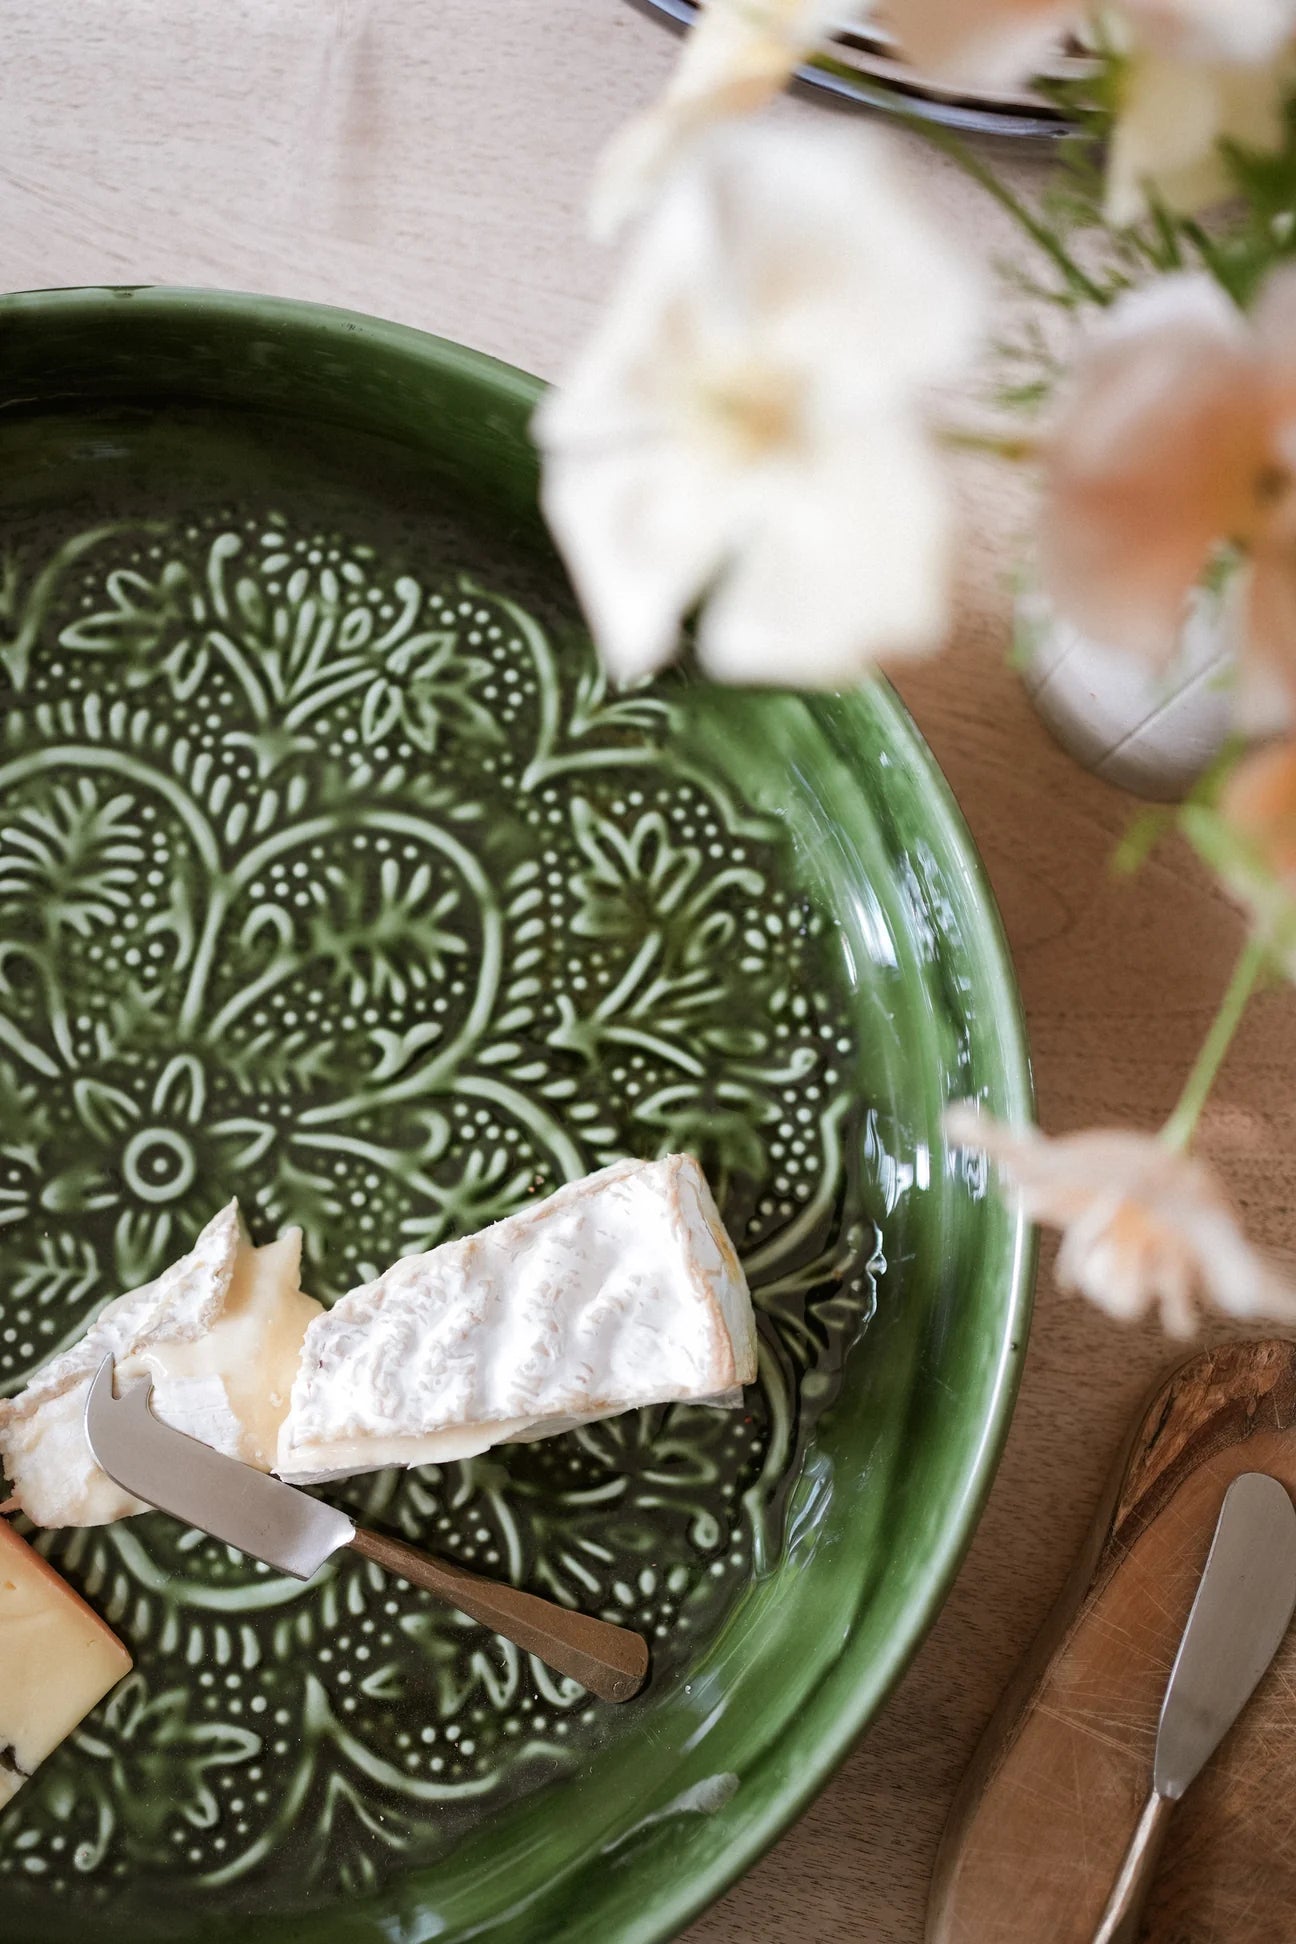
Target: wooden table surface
point(438, 178)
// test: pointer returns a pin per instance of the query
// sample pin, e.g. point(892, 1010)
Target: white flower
point(746, 422)
point(1229, 30)
point(1178, 105)
point(999, 42)
point(1144, 1226)
point(738, 53)
point(1191, 74)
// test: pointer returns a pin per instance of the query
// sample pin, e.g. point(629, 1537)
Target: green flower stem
point(1020, 447)
point(1180, 1127)
point(1077, 281)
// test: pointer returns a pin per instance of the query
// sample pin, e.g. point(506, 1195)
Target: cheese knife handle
point(610, 1661)
point(1123, 1915)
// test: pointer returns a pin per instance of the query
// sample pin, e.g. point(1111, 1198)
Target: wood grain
point(439, 181)
point(1049, 1805)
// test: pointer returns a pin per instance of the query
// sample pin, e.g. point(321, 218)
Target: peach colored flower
point(1179, 436)
point(746, 427)
point(1259, 800)
point(737, 55)
point(1144, 1226)
point(1252, 844)
point(990, 43)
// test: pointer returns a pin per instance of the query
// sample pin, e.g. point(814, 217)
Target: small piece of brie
point(58, 1657)
point(220, 1333)
point(619, 1290)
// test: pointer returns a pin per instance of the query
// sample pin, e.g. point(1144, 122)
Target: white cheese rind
point(59, 1660)
point(220, 1334)
point(617, 1291)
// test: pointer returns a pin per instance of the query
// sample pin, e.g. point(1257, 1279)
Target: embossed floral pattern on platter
point(337, 887)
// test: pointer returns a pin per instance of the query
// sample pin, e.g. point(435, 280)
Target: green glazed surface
point(332, 876)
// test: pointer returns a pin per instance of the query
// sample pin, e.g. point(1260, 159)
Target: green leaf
point(1140, 840)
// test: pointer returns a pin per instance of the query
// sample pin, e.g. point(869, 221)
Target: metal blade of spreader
point(1242, 1610)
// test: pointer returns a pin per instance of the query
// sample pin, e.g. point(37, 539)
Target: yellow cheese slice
point(58, 1657)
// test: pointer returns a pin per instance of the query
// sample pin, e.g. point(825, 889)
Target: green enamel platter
point(332, 876)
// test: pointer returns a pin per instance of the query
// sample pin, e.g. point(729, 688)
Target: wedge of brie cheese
point(58, 1657)
point(619, 1290)
point(220, 1333)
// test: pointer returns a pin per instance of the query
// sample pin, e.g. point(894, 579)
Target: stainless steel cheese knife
point(1243, 1607)
point(296, 1533)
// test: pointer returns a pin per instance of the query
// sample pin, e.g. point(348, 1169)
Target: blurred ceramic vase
point(1149, 730)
